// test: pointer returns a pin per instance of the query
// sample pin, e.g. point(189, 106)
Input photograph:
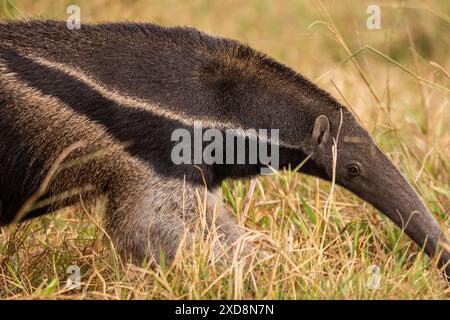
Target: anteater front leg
point(149, 221)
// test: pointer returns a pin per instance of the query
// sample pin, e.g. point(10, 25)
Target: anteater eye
point(353, 170)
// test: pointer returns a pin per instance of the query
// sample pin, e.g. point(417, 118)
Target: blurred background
point(396, 79)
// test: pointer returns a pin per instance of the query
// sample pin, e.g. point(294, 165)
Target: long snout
point(403, 206)
point(388, 191)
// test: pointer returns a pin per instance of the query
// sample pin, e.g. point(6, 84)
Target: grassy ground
point(324, 243)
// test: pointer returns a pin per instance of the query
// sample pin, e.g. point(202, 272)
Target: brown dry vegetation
point(322, 241)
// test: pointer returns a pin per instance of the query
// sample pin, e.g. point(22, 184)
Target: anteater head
point(345, 151)
point(340, 149)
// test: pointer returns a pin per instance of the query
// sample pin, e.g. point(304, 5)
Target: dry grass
point(322, 242)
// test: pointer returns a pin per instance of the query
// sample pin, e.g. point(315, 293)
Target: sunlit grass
point(314, 249)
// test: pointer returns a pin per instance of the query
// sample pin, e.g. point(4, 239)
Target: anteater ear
point(321, 130)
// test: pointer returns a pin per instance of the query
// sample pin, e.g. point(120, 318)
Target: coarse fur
point(123, 88)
